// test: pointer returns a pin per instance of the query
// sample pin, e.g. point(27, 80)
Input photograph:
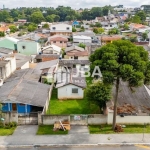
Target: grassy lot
point(71, 106)
point(107, 129)
point(4, 132)
point(48, 130)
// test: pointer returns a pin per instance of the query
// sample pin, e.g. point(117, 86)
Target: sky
point(76, 4)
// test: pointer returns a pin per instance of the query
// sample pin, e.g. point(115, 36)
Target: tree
point(142, 15)
point(46, 26)
point(136, 19)
point(126, 26)
point(37, 17)
point(113, 31)
point(82, 45)
point(98, 30)
point(32, 27)
point(2, 34)
point(49, 18)
point(144, 36)
point(98, 93)
point(74, 29)
point(13, 28)
point(122, 60)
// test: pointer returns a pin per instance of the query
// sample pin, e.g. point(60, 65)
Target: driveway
point(29, 130)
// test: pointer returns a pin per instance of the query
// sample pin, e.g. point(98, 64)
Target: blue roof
point(75, 23)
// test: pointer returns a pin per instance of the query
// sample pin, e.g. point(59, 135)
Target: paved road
point(138, 147)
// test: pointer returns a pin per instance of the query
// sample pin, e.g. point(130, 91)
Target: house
point(82, 39)
point(22, 61)
point(51, 49)
point(22, 95)
point(9, 42)
point(5, 51)
point(4, 29)
point(109, 38)
point(7, 66)
point(28, 47)
point(75, 23)
point(78, 64)
point(61, 29)
point(46, 57)
point(48, 69)
point(75, 52)
point(58, 40)
point(22, 21)
point(71, 87)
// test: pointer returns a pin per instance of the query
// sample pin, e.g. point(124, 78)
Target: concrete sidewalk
point(27, 136)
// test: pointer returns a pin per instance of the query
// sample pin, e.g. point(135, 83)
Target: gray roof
point(74, 47)
point(70, 78)
point(46, 64)
point(5, 50)
point(20, 90)
point(67, 62)
point(86, 33)
point(21, 59)
point(137, 97)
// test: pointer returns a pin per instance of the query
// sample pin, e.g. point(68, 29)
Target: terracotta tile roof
point(59, 39)
point(3, 29)
point(111, 38)
point(42, 35)
point(137, 26)
point(84, 53)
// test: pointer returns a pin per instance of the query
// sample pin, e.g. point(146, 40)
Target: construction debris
point(61, 125)
point(126, 108)
point(118, 128)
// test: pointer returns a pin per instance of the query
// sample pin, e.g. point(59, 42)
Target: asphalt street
point(136, 147)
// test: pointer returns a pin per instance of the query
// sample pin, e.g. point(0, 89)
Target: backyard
point(82, 106)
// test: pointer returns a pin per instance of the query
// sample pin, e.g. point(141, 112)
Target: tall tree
point(122, 60)
point(37, 17)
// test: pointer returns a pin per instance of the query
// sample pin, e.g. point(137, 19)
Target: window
point(60, 41)
point(74, 66)
point(75, 57)
point(54, 41)
point(83, 65)
point(23, 47)
point(67, 28)
point(54, 28)
point(74, 90)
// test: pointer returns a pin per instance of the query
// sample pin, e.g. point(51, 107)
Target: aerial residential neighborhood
point(75, 77)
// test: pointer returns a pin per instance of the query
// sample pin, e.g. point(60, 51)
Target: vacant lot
point(107, 129)
point(70, 106)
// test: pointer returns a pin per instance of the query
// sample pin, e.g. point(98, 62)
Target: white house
point(82, 39)
point(7, 66)
point(51, 49)
point(61, 29)
point(70, 86)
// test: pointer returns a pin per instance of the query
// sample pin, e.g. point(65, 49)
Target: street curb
point(73, 145)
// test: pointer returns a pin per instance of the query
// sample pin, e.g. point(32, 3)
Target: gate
point(28, 119)
point(79, 119)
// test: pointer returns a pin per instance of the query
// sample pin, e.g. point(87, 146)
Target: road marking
point(143, 146)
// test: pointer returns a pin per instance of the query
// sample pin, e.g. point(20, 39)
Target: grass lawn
point(48, 130)
point(70, 106)
point(107, 129)
point(4, 132)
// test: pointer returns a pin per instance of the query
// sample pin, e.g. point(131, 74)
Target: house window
point(75, 57)
point(74, 90)
point(54, 28)
point(74, 66)
point(83, 65)
point(60, 41)
point(54, 41)
point(23, 47)
point(67, 28)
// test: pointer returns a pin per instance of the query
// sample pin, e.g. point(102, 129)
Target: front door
point(14, 107)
